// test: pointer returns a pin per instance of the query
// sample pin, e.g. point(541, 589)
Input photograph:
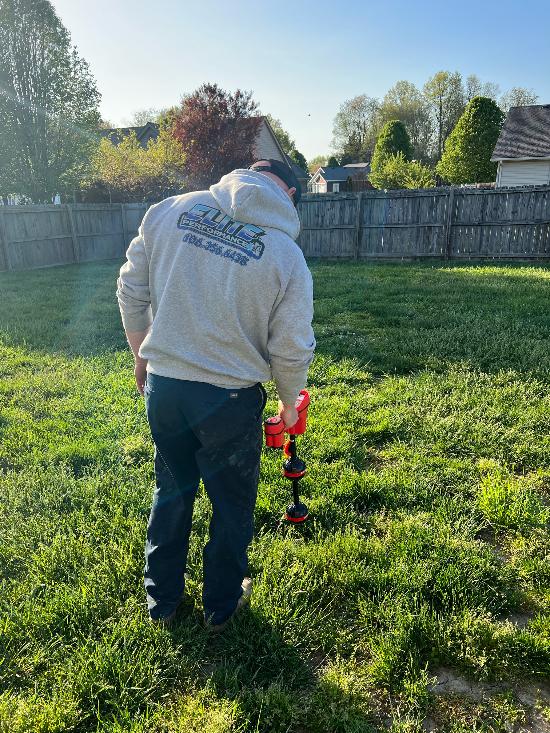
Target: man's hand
point(288, 414)
point(140, 372)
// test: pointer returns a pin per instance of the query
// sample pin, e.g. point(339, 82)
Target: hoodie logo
point(213, 223)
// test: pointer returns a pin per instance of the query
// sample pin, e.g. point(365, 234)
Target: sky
point(302, 59)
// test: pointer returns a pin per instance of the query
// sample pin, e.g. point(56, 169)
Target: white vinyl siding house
point(523, 173)
point(523, 147)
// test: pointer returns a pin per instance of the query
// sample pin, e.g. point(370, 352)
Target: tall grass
point(428, 482)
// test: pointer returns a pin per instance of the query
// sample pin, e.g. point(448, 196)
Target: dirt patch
point(531, 695)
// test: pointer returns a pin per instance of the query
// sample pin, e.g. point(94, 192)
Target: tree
point(445, 95)
point(218, 132)
point(149, 114)
point(352, 152)
point(419, 175)
point(299, 159)
point(357, 124)
point(393, 139)
point(406, 103)
point(332, 162)
point(517, 97)
point(398, 172)
point(284, 139)
point(469, 147)
point(129, 172)
point(318, 162)
point(474, 87)
point(48, 103)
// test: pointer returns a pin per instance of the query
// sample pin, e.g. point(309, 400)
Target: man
point(215, 299)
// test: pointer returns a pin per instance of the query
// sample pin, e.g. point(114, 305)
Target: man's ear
point(291, 192)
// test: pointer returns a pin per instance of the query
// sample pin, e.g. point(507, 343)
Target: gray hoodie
point(223, 285)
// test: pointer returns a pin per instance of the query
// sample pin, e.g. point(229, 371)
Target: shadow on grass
point(279, 686)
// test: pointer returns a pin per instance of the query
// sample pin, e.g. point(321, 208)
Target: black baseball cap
point(282, 171)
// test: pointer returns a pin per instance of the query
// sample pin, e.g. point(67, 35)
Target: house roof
point(298, 172)
point(525, 133)
point(143, 132)
point(342, 172)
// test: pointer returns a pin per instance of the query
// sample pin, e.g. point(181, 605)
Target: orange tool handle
point(302, 403)
point(274, 427)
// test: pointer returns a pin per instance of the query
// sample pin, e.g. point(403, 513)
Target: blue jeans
point(201, 431)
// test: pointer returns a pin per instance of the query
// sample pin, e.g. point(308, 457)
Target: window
point(335, 188)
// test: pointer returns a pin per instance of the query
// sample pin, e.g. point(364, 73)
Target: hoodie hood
point(254, 198)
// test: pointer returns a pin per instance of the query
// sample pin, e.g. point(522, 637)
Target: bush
point(397, 172)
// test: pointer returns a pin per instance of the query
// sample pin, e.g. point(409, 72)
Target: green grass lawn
point(427, 554)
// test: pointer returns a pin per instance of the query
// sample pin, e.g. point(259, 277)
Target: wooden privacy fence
point(41, 236)
point(459, 223)
point(451, 223)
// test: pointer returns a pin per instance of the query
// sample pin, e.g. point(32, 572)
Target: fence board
point(41, 253)
point(455, 223)
point(4, 252)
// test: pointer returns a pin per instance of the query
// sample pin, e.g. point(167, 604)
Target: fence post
point(449, 223)
point(358, 225)
point(4, 241)
point(124, 228)
point(74, 238)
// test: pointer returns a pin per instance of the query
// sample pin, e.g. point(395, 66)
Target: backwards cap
point(282, 171)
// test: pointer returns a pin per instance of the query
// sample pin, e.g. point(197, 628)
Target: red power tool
point(294, 468)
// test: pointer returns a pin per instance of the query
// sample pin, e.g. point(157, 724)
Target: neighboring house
point(144, 133)
point(267, 145)
point(523, 147)
point(342, 178)
point(12, 199)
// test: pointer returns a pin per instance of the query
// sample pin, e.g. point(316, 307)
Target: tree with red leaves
point(217, 130)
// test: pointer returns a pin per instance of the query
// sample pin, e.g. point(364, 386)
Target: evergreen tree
point(468, 149)
point(299, 159)
point(355, 151)
point(393, 139)
point(332, 162)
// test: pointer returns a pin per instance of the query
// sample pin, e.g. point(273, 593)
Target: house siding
point(266, 147)
point(523, 173)
point(320, 186)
